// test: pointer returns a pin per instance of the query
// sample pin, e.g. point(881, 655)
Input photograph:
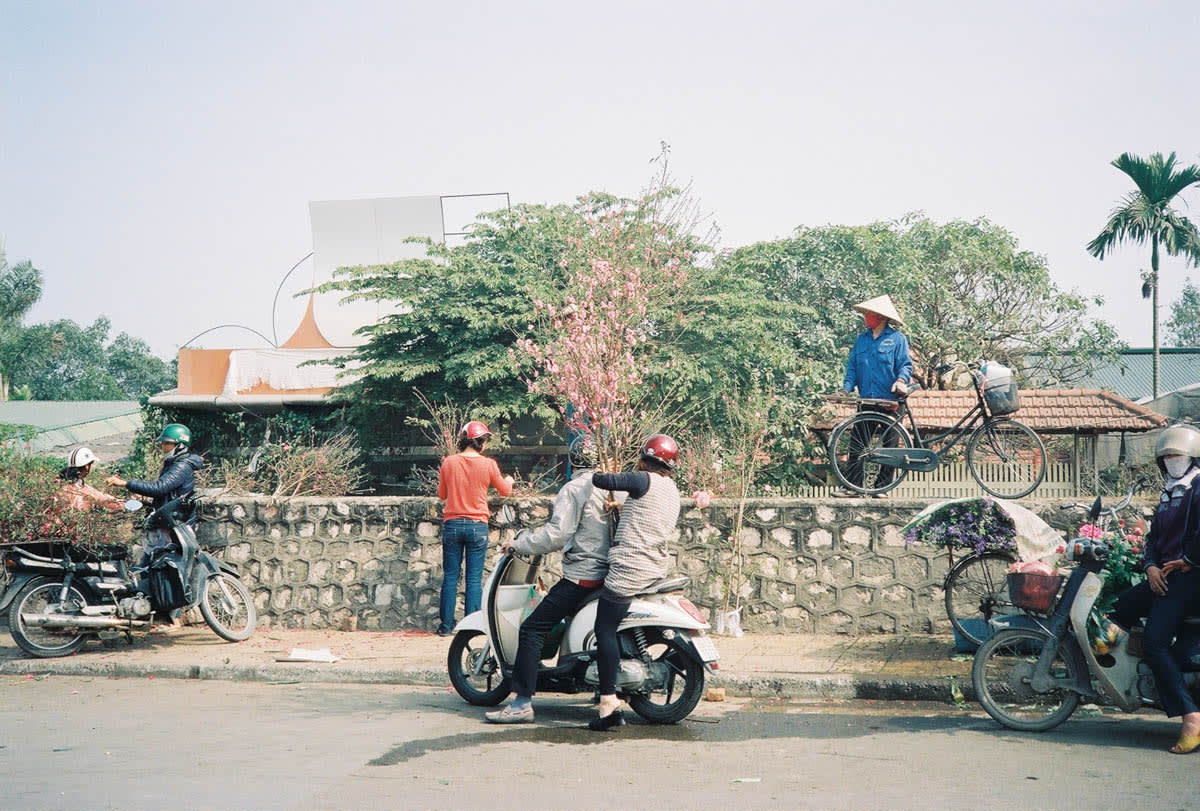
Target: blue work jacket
point(876, 363)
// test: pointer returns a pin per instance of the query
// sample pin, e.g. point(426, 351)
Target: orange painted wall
point(203, 371)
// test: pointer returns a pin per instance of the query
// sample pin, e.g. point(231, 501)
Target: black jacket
point(176, 479)
point(1191, 533)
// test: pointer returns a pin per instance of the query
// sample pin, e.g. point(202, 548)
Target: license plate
point(706, 648)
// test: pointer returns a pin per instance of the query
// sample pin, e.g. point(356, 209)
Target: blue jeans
point(461, 538)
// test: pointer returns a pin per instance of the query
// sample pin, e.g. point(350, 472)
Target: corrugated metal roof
point(46, 414)
point(63, 423)
point(1131, 375)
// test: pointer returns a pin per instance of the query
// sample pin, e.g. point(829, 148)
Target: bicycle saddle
point(881, 404)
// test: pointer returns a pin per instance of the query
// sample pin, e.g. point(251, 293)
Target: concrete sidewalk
point(908, 667)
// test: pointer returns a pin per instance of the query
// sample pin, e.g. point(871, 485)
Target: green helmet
point(177, 433)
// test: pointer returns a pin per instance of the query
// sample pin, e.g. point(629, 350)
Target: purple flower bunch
point(977, 524)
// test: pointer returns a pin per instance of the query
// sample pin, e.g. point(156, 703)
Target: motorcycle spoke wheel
point(676, 694)
point(976, 590)
point(45, 643)
point(485, 688)
point(1002, 673)
point(227, 607)
point(1007, 458)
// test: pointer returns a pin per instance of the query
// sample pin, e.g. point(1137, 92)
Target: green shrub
point(32, 509)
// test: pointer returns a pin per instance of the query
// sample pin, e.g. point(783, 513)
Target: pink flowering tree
point(600, 352)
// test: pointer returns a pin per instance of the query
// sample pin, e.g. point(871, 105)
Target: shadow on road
point(567, 724)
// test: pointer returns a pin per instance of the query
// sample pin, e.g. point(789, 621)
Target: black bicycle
point(872, 451)
point(976, 587)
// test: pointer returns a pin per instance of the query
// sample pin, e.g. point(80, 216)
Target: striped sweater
point(639, 556)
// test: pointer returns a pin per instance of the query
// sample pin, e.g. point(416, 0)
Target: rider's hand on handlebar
point(900, 387)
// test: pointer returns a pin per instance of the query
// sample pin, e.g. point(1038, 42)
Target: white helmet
point(1178, 440)
point(81, 457)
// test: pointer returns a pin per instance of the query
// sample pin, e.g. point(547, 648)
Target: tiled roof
point(1047, 411)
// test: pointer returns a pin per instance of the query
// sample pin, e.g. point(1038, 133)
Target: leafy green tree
point(20, 288)
point(1146, 215)
point(61, 360)
point(136, 370)
point(465, 308)
point(965, 289)
point(1183, 327)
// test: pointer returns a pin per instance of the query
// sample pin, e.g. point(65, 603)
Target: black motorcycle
point(59, 595)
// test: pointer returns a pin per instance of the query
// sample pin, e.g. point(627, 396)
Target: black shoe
point(443, 632)
point(616, 718)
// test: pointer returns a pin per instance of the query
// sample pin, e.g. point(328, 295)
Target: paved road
point(162, 743)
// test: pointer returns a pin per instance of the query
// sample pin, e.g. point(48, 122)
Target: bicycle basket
point(1034, 592)
point(1002, 400)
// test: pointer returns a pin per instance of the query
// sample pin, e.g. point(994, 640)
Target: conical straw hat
point(881, 305)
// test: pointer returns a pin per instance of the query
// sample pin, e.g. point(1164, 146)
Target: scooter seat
point(677, 583)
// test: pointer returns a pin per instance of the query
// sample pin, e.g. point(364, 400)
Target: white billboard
point(365, 232)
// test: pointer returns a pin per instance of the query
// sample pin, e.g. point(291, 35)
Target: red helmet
point(661, 448)
point(475, 430)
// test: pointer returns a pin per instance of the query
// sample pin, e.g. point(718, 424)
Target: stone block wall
point(375, 563)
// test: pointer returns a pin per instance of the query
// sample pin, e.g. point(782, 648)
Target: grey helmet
point(1178, 440)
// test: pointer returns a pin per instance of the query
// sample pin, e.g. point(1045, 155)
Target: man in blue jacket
point(177, 478)
point(879, 367)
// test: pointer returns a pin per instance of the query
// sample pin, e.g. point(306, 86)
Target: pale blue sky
point(157, 158)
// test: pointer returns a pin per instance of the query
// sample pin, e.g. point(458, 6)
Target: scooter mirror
point(1094, 512)
point(133, 505)
point(506, 514)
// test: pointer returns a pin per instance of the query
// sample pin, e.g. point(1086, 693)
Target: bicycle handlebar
point(1111, 512)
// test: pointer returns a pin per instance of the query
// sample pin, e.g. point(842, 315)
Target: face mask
point(872, 320)
point(1177, 465)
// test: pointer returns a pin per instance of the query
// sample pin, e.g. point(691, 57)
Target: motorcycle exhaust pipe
point(61, 621)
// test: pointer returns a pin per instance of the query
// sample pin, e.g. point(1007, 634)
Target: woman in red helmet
point(463, 484)
point(637, 559)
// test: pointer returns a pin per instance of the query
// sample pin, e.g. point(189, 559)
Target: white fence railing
point(954, 480)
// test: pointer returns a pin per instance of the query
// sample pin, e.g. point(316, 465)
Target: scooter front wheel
point(1003, 671)
point(228, 608)
point(474, 672)
point(35, 598)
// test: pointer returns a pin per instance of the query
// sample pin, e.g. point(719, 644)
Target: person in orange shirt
point(463, 484)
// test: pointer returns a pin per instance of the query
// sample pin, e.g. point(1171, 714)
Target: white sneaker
point(508, 715)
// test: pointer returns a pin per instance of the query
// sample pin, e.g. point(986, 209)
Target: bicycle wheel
point(1007, 458)
point(1001, 676)
point(858, 436)
point(976, 590)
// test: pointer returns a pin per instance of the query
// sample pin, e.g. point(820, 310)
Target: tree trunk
point(1154, 312)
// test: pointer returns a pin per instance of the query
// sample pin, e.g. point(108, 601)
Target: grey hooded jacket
point(579, 526)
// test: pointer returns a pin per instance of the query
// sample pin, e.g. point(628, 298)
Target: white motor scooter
point(664, 650)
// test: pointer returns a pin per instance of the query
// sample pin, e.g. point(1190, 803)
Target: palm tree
point(1146, 214)
point(20, 288)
